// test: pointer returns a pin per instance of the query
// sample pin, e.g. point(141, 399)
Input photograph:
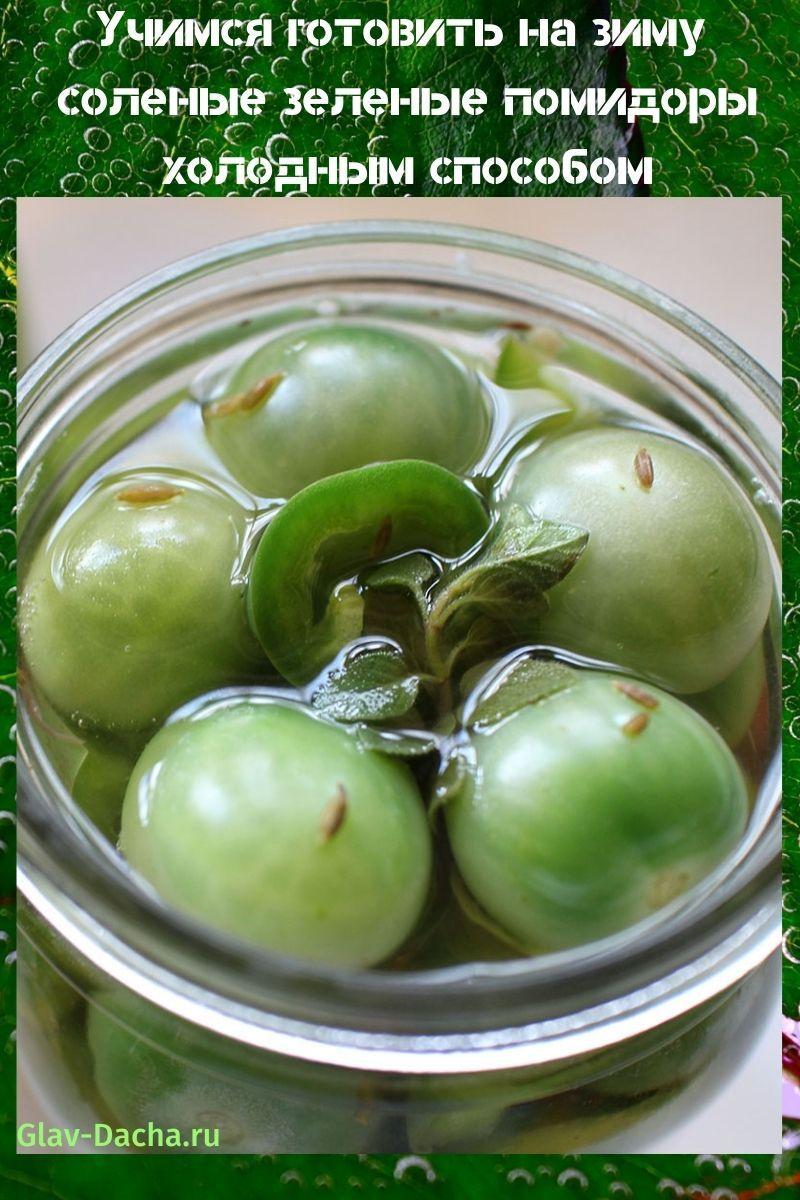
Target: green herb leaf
point(401, 742)
point(413, 574)
point(526, 681)
point(504, 582)
point(373, 685)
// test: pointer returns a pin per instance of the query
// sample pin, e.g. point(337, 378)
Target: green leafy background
point(45, 45)
point(82, 156)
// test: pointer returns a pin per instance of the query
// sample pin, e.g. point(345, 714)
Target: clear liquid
point(581, 390)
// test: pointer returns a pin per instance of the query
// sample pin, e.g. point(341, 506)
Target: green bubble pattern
point(43, 46)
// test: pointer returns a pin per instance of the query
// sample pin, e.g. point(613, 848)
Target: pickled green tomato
point(276, 827)
point(590, 810)
point(675, 581)
point(733, 705)
point(132, 604)
point(100, 783)
point(150, 1066)
point(337, 396)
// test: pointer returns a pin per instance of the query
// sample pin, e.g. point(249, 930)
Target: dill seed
point(253, 398)
point(636, 693)
point(148, 493)
point(643, 466)
point(333, 815)
point(637, 723)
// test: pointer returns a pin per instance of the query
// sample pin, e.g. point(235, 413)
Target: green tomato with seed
point(675, 583)
point(588, 811)
point(275, 826)
point(135, 601)
point(336, 396)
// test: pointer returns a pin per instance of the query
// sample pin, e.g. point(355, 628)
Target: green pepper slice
point(334, 528)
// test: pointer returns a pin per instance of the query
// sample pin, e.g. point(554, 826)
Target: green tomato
point(334, 528)
point(696, 1042)
point(275, 826)
point(336, 396)
point(572, 1129)
point(151, 1066)
point(95, 769)
point(588, 811)
point(675, 582)
point(100, 783)
point(464, 1128)
point(134, 603)
point(52, 1006)
point(732, 705)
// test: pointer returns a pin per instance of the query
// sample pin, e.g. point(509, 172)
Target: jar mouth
point(472, 1017)
point(227, 254)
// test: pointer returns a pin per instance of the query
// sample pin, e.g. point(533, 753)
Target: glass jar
point(130, 1012)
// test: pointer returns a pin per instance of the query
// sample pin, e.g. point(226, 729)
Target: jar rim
point(333, 1028)
point(226, 254)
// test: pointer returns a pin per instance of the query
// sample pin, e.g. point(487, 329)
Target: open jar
point(132, 1012)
